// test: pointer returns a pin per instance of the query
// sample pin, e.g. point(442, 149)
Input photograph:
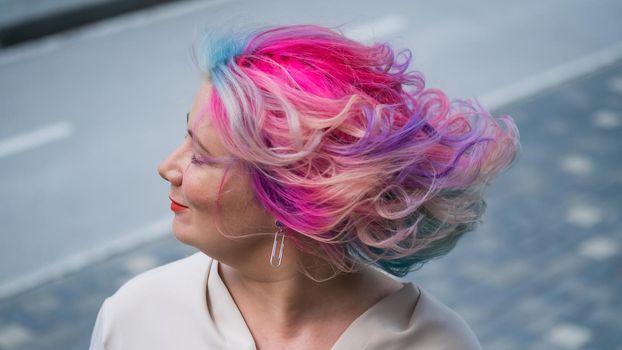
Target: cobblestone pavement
point(544, 271)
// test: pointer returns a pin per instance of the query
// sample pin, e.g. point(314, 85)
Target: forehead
point(200, 106)
point(200, 122)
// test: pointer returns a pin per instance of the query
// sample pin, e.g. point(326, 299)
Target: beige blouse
point(167, 308)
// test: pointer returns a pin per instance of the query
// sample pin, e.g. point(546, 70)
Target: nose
point(170, 169)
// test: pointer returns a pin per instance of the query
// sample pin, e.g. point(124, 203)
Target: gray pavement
point(543, 271)
point(86, 211)
point(112, 93)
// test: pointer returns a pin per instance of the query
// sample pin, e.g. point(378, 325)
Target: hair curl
point(347, 147)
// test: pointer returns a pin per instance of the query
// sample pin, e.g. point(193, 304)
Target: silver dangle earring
point(275, 261)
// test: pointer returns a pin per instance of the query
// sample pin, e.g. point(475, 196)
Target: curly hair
point(345, 146)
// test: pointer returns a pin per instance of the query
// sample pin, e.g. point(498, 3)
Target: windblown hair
point(345, 146)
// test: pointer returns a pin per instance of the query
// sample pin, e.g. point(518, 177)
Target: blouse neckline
point(235, 333)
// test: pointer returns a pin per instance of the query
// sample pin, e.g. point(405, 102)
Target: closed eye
point(202, 148)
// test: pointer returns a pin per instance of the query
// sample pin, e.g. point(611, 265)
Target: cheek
point(200, 187)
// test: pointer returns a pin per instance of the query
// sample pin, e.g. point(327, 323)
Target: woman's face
point(194, 190)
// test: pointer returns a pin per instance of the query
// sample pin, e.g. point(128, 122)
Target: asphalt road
point(86, 116)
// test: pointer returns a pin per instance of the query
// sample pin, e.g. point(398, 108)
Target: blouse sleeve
point(97, 337)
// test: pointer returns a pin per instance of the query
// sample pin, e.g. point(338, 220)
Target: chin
point(183, 234)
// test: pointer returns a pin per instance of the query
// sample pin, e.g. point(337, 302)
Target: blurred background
point(94, 93)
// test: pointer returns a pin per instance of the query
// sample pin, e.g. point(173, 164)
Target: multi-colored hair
point(348, 149)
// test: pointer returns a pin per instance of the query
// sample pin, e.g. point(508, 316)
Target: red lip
point(176, 207)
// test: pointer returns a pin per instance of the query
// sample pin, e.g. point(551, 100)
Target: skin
point(282, 307)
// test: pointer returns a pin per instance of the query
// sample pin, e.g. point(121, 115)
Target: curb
point(56, 22)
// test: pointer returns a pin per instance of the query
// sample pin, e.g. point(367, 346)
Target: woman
point(315, 170)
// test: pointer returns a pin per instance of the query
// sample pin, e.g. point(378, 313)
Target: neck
point(287, 301)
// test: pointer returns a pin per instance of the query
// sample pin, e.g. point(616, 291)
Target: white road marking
point(13, 336)
point(599, 248)
point(30, 140)
point(376, 29)
point(569, 336)
point(552, 77)
point(576, 164)
point(606, 119)
point(130, 240)
point(583, 215)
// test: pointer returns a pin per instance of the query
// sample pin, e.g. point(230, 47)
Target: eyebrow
point(195, 139)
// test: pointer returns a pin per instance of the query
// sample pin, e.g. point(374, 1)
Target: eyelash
point(195, 160)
